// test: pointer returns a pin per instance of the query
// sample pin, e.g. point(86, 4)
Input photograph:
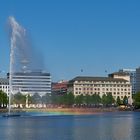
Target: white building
point(4, 85)
point(101, 85)
point(31, 82)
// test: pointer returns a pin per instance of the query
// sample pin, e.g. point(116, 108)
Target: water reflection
point(108, 126)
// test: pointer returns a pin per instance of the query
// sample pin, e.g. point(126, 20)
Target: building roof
point(120, 73)
point(4, 81)
point(86, 78)
point(30, 74)
point(128, 70)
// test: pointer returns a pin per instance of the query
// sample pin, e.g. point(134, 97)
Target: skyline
point(72, 36)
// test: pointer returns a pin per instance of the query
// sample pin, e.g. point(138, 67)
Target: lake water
point(106, 126)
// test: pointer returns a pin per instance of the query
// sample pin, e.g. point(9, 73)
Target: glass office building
point(31, 82)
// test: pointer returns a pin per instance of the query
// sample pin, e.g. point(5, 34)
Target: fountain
point(20, 53)
point(23, 58)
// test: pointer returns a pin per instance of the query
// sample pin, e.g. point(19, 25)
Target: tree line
point(69, 100)
point(94, 100)
point(136, 100)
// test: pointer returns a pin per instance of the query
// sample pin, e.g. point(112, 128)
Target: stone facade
point(101, 85)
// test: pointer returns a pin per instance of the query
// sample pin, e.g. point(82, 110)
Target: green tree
point(87, 99)
point(110, 99)
point(79, 99)
point(60, 99)
point(54, 99)
point(107, 100)
point(70, 99)
point(104, 99)
point(19, 99)
point(125, 100)
point(118, 101)
point(3, 99)
point(136, 99)
point(36, 99)
point(95, 99)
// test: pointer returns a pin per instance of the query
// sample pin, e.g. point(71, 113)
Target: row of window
point(99, 82)
point(114, 93)
point(103, 85)
point(4, 86)
point(103, 89)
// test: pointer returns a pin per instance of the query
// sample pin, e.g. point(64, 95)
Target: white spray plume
point(18, 44)
point(23, 57)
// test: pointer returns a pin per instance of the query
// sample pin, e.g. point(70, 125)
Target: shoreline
point(76, 111)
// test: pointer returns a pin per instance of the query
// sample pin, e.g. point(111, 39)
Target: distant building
point(101, 85)
point(132, 74)
point(138, 79)
point(4, 85)
point(120, 75)
point(60, 88)
point(31, 82)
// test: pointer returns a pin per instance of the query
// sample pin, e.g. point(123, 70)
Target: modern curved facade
point(31, 82)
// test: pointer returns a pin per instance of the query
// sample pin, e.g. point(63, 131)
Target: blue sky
point(71, 35)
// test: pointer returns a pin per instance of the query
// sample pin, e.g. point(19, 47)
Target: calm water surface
point(107, 126)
